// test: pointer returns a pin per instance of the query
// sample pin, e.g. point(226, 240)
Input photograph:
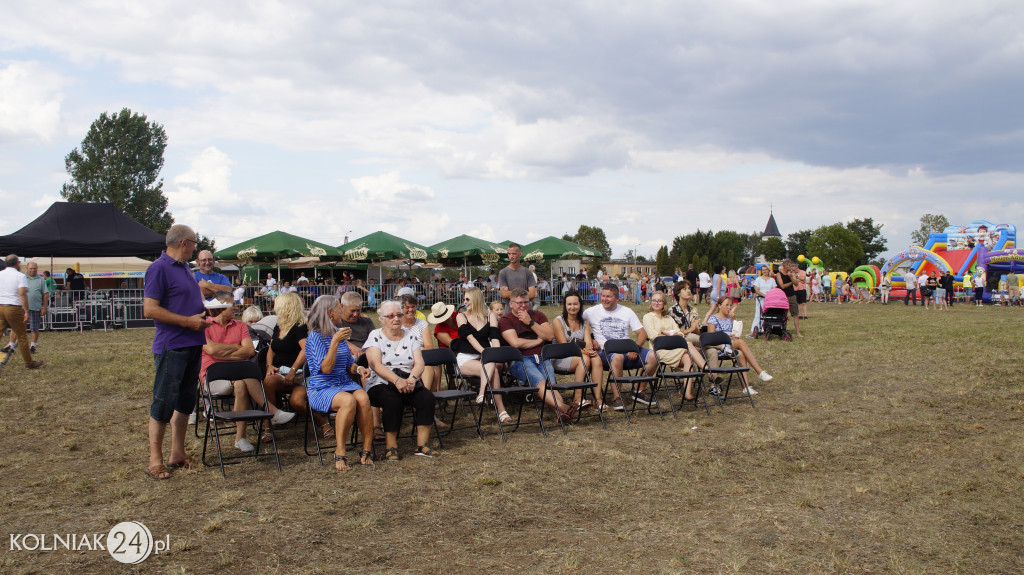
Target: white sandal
point(504, 417)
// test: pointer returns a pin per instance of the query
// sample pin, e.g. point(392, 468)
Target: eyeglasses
point(465, 299)
point(520, 302)
point(392, 316)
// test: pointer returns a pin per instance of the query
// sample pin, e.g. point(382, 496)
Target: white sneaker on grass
point(763, 376)
point(282, 417)
point(244, 445)
point(749, 391)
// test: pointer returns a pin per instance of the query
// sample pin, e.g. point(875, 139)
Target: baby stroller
point(775, 315)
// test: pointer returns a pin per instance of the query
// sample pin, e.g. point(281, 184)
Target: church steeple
point(771, 230)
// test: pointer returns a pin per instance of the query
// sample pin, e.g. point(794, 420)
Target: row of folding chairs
point(457, 397)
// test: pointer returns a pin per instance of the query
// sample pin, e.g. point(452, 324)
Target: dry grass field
point(890, 441)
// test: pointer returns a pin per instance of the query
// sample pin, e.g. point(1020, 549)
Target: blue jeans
point(174, 386)
point(538, 371)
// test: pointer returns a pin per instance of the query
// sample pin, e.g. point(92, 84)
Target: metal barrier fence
point(99, 309)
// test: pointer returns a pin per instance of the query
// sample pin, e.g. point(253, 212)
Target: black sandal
point(366, 458)
point(426, 451)
point(391, 454)
point(343, 459)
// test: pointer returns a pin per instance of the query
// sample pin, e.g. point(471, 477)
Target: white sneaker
point(282, 417)
point(749, 391)
point(763, 376)
point(244, 445)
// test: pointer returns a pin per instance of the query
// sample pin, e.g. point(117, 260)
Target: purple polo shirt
point(172, 284)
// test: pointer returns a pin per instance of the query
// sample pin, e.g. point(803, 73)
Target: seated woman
point(446, 332)
point(658, 322)
point(722, 321)
point(394, 357)
point(227, 339)
point(287, 352)
point(330, 384)
point(413, 320)
point(571, 327)
point(478, 329)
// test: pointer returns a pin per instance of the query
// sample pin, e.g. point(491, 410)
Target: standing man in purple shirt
point(174, 302)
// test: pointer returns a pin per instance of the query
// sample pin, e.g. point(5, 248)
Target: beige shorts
point(221, 387)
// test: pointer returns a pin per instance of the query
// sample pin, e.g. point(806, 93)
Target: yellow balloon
point(800, 258)
point(815, 260)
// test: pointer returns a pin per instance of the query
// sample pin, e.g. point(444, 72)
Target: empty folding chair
point(679, 379)
point(457, 392)
point(489, 360)
point(630, 377)
point(555, 351)
point(221, 420)
point(709, 344)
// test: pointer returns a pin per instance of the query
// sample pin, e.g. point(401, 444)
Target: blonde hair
point(252, 314)
point(500, 306)
point(664, 302)
point(288, 308)
point(476, 303)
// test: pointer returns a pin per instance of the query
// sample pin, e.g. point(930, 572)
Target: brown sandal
point(158, 472)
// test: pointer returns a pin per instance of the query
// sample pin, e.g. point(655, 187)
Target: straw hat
point(439, 312)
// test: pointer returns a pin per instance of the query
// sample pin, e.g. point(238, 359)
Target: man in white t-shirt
point(613, 321)
point(826, 286)
point(703, 285)
point(14, 308)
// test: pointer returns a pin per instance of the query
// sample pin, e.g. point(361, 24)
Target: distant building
point(618, 268)
point(771, 230)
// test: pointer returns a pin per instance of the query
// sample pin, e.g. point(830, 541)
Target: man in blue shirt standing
point(173, 300)
point(210, 282)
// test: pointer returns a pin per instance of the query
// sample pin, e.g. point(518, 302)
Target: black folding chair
point(501, 355)
point(457, 392)
point(709, 342)
point(218, 420)
point(555, 351)
point(630, 377)
point(678, 379)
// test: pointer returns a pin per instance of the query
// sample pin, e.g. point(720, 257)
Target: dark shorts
point(794, 307)
point(175, 383)
point(801, 296)
point(35, 320)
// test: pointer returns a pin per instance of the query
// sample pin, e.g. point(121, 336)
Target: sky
point(519, 120)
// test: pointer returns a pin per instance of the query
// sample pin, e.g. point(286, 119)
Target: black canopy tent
point(71, 229)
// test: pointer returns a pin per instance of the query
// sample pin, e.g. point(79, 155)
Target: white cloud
point(30, 100)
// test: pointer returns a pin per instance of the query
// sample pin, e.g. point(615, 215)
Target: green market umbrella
point(381, 246)
point(277, 246)
point(552, 248)
point(274, 247)
point(469, 250)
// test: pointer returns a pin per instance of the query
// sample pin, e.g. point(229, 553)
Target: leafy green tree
point(120, 162)
point(205, 243)
point(839, 248)
point(871, 237)
point(662, 261)
point(796, 244)
point(592, 237)
point(772, 249)
point(930, 223)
